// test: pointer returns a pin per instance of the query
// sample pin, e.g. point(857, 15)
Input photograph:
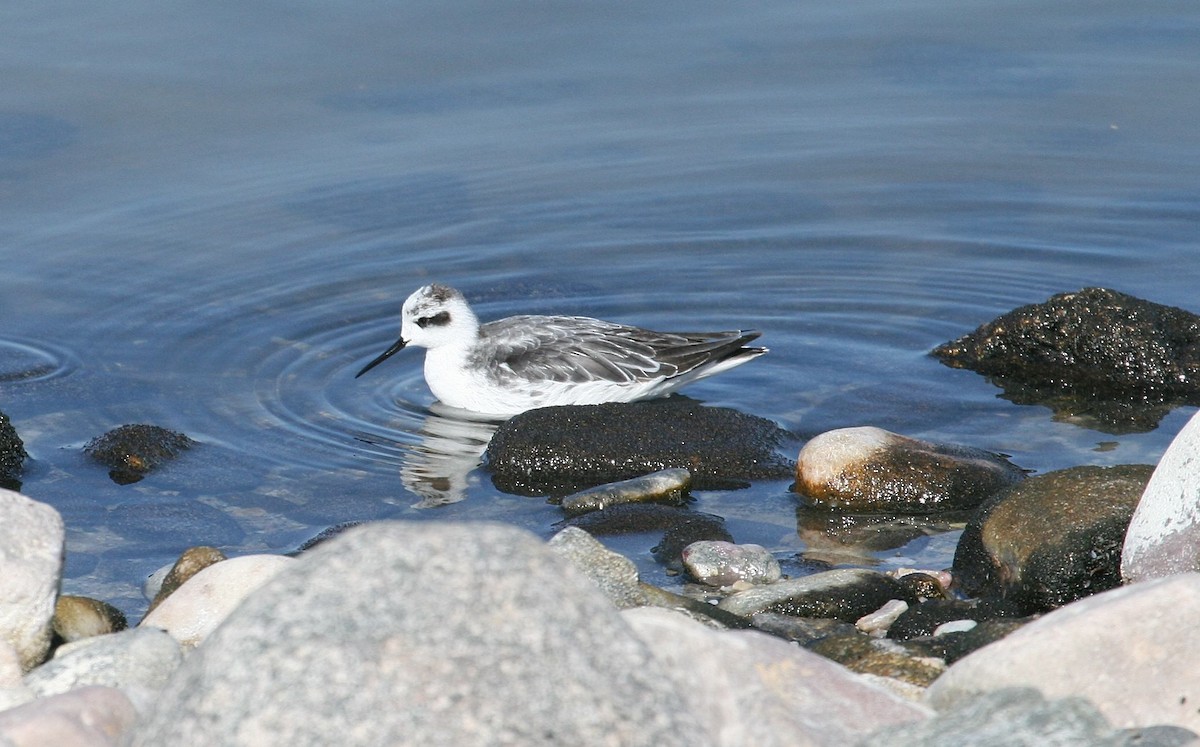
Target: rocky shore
point(1066, 619)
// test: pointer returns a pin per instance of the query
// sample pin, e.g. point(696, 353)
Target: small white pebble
point(954, 626)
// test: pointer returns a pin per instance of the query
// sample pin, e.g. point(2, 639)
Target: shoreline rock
point(870, 470)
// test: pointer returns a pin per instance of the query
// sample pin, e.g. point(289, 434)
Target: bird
point(505, 367)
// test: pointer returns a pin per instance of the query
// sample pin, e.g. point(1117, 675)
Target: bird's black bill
point(395, 348)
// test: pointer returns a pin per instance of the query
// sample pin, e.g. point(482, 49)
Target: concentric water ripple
point(24, 361)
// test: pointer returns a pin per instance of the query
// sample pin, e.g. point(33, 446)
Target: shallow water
point(211, 214)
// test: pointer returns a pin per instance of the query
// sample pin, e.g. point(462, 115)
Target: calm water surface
point(210, 214)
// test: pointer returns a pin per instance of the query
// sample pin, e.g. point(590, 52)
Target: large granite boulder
point(425, 633)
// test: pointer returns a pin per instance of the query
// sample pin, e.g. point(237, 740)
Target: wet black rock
point(323, 536)
point(923, 619)
point(1052, 539)
point(130, 451)
point(1078, 351)
point(559, 450)
point(871, 470)
point(845, 594)
point(954, 645)
point(12, 454)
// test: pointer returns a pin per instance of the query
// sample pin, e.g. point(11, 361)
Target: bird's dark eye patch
point(437, 320)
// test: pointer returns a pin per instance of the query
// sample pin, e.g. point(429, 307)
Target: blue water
point(210, 214)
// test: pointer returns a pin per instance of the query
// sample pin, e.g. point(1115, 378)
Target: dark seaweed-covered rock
point(924, 618)
point(954, 645)
point(1052, 539)
point(1107, 355)
point(558, 450)
point(12, 454)
point(130, 451)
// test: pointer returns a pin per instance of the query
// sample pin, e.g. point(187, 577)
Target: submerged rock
point(12, 454)
point(1095, 345)
point(668, 486)
point(559, 450)
point(130, 451)
point(1164, 534)
point(696, 527)
point(1052, 539)
point(870, 470)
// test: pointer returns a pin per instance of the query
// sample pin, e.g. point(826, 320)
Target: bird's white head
point(437, 315)
point(434, 316)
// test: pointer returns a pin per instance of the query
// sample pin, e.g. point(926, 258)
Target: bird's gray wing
point(580, 350)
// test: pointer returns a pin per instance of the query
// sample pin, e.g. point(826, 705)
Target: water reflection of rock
point(438, 468)
point(839, 539)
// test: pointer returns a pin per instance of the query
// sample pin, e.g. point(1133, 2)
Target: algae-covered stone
point(559, 450)
point(1052, 539)
point(12, 454)
point(130, 451)
point(1117, 361)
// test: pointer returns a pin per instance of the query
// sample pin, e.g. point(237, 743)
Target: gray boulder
point(32, 537)
point(1127, 651)
point(423, 633)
